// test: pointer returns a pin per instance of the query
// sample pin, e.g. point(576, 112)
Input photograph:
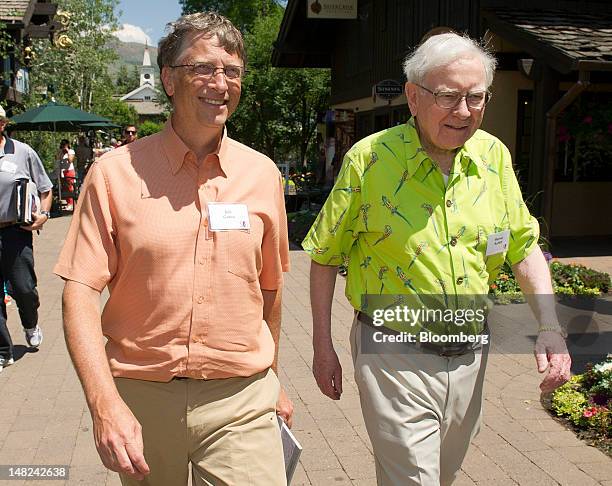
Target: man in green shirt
point(429, 209)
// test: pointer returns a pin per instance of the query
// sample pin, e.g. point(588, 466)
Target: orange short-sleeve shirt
point(184, 300)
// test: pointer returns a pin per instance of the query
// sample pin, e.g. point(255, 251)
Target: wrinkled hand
point(551, 353)
point(284, 407)
point(39, 220)
point(118, 437)
point(327, 371)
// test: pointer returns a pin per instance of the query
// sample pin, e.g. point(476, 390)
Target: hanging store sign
point(389, 89)
point(331, 9)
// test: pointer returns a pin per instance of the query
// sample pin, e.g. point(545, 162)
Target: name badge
point(9, 167)
point(228, 216)
point(497, 242)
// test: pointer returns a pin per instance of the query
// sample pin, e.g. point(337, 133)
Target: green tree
point(77, 74)
point(126, 80)
point(243, 13)
point(279, 107)
point(149, 127)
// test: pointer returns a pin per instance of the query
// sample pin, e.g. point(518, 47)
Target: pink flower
point(589, 412)
point(587, 119)
point(563, 134)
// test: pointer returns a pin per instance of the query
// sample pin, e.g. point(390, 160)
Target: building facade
point(20, 22)
point(555, 68)
point(145, 98)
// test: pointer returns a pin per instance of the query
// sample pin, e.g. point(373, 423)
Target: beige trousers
point(226, 428)
point(421, 410)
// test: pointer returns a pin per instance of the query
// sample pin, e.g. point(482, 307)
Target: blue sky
point(146, 19)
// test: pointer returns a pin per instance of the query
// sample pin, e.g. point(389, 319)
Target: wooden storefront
point(550, 54)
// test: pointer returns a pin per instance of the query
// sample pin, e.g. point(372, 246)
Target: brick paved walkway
point(44, 418)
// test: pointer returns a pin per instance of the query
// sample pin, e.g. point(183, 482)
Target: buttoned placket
point(202, 284)
point(454, 223)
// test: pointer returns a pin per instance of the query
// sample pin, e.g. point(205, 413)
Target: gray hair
point(441, 50)
point(207, 23)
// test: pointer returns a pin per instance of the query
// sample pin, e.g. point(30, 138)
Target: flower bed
point(585, 402)
point(568, 279)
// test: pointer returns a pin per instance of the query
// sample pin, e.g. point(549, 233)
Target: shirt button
point(449, 203)
point(459, 280)
point(200, 299)
point(205, 222)
point(202, 260)
point(453, 241)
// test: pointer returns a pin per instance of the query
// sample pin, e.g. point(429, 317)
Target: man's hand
point(39, 220)
point(118, 437)
point(551, 353)
point(327, 371)
point(284, 407)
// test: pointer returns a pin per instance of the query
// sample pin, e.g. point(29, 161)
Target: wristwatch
point(47, 214)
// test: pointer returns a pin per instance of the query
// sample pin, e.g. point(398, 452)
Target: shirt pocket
point(491, 263)
point(241, 254)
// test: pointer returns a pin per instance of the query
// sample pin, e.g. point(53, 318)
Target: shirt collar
point(177, 152)
point(416, 153)
point(469, 157)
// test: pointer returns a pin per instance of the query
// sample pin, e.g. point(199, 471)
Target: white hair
point(443, 49)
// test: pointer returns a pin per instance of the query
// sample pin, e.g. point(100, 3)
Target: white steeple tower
point(147, 73)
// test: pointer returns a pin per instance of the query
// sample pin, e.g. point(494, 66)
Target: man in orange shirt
point(187, 229)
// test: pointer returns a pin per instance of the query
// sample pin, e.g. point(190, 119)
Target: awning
point(567, 41)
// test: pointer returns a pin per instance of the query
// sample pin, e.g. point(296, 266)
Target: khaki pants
point(421, 410)
point(226, 428)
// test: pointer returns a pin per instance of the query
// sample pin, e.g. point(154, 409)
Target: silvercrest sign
point(331, 9)
point(389, 89)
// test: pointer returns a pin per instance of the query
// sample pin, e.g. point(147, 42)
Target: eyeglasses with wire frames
point(448, 100)
point(209, 70)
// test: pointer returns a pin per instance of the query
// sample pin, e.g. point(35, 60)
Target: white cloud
point(132, 33)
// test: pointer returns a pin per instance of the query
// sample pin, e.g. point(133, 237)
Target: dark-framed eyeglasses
point(209, 70)
point(448, 100)
point(131, 132)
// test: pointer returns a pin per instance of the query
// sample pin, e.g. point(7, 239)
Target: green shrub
point(578, 278)
point(586, 400)
point(569, 402)
point(149, 127)
point(567, 279)
point(299, 223)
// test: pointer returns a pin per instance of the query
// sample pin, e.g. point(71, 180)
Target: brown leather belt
point(7, 225)
point(444, 350)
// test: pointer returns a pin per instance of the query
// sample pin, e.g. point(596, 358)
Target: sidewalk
point(44, 418)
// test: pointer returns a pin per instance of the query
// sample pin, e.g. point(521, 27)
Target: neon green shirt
point(399, 229)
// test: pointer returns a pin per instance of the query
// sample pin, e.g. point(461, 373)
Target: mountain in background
point(130, 54)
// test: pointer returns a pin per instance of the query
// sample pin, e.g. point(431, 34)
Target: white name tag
point(497, 242)
point(224, 216)
point(8, 167)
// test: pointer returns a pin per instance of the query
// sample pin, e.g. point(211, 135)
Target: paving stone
point(358, 466)
point(44, 413)
point(559, 468)
point(329, 477)
point(463, 480)
point(600, 471)
point(581, 454)
point(479, 467)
